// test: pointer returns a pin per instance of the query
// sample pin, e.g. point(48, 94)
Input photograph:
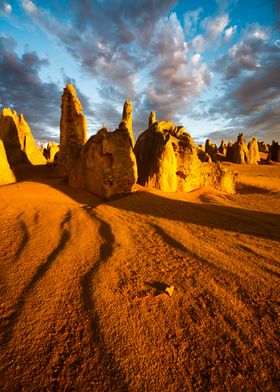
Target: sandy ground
point(82, 286)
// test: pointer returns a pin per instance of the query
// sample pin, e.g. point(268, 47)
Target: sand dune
point(82, 287)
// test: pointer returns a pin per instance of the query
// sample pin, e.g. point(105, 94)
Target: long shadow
point(233, 219)
point(24, 239)
point(222, 277)
point(39, 274)
point(106, 357)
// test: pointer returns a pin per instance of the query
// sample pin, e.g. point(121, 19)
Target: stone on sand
point(126, 123)
point(240, 153)
point(18, 140)
point(274, 152)
point(6, 173)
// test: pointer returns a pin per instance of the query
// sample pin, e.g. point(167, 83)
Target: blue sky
point(212, 66)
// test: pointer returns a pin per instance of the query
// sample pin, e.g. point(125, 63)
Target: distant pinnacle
point(152, 119)
point(126, 123)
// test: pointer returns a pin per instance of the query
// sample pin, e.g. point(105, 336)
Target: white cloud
point(229, 33)
point(216, 25)
point(7, 8)
point(29, 6)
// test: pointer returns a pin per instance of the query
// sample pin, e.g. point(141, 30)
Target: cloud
point(191, 20)
point(6, 8)
point(214, 26)
point(22, 89)
point(250, 94)
point(120, 44)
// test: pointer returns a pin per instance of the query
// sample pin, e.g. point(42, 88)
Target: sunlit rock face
point(72, 130)
point(240, 153)
point(253, 148)
point(6, 174)
point(274, 152)
point(107, 165)
point(18, 140)
point(126, 123)
point(167, 160)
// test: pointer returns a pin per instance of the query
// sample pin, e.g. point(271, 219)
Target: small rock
point(169, 290)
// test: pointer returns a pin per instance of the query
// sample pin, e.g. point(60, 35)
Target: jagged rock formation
point(167, 160)
point(211, 150)
point(274, 152)
point(72, 130)
point(6, 173)
point(126, 123)
point(152, 119)
point(51, 151)
point(222, 149)
point(107, 165)
point(18, 140)
point(240, 151)
point(253, 148)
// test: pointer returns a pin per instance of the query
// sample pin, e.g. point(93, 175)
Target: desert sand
point(82, 283)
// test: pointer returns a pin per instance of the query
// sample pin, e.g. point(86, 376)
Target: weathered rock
point(6, 173)
point(274, 152)
point(229, 154)
point(152, 119)
point(222, 148)
point(253, 148)
point(211, 150)
point(18, 140)
point(167, 160)
point(240, 150)
point(107, 165)
point(263, 147)
point(51, 151)
point(72, 130)
point(126, 123)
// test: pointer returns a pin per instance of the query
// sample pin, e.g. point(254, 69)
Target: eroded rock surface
point(240, 153)
point(107, 165)
point(274, 152)
point(72, 130)
point(253, 148)
point(18, 140)
point(6, 173)
point(167, 160)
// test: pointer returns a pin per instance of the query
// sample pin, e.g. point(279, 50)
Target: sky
point(212, 66)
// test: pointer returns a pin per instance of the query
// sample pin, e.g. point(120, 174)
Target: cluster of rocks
point(239, 152)
point(105, 164)
point(50, 152)
point(110, 163)
point(17, 145)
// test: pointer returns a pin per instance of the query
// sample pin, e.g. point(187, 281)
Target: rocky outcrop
point(72, 131)
point(126, 123)
point(240, 153)
point(274, 152)
point(6, 174)
point(18, 140)
point(263, 147)
point(107, 165)
point(253, 148)
point(167, 160)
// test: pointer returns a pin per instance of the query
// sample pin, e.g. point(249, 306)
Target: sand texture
point(84, 305)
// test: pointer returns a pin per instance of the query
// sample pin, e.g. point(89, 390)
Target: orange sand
point(82, 286)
